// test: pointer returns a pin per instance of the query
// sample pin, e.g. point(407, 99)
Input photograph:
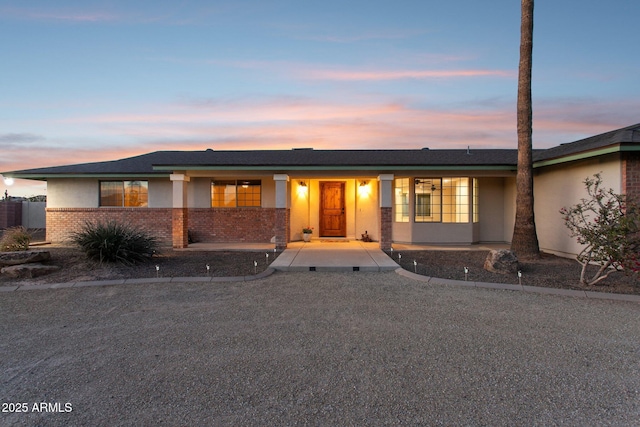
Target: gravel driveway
point(316, 349)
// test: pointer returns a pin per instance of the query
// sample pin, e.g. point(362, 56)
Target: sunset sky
point(100, 80)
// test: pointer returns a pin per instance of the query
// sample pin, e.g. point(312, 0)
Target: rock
point(29, 271)
point(23, 257)
point(501, 261)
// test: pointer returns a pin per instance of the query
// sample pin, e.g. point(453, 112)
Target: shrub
point(114, 242)
point(608, 226)
point(15, 239)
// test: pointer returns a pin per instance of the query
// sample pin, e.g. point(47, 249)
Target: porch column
point(281, 226)
point(180, 216)
point(386, 204)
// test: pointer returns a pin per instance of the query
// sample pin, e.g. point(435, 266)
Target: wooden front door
point(332, 216)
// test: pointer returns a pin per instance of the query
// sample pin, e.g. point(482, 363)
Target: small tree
point(607, 224)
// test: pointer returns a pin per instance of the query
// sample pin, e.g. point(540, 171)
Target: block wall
point(10, 214)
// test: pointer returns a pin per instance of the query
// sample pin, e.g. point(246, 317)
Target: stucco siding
point(361, 209)
point(72, 193)
point(563, 185)
point(491, 209)
point(442, 233)
point(160, 193)
point(509, 208)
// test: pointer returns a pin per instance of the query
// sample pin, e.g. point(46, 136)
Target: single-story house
point(421, 196)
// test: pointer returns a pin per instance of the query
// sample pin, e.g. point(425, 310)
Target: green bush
point(15, 239)
point(114, 242)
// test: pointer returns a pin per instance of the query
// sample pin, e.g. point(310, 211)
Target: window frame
point(240, 198)
point(444, 195)
point(124, 195)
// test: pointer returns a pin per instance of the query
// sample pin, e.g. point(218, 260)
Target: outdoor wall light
point(364, 189)
point(302, 189)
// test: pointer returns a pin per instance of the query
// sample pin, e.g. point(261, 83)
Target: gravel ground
point(317, 349)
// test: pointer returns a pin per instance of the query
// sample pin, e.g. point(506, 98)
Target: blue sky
point(90, 81)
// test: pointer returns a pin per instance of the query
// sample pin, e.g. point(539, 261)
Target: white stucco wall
point(563, 185)
point(491, 209)
point(361, 210)
point(160, 193)
point(72, 193)
point(509, 207)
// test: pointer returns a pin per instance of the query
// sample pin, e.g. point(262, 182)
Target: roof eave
point(618, 148)
point(333, 168)
point(47, 176)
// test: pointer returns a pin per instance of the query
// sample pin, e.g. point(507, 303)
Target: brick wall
point(282, 229)
point(631, 175)
point(205, 225)
point(62, 221)
point(180, 227)
point(10, 214)
point(232, 225)
point(386, 233)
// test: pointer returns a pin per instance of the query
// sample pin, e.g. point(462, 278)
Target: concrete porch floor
point(333, 255)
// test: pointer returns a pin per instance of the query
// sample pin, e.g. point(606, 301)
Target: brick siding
point(215, 225)
point(386, 233)
point(631, 175)
point(62, 221)
point(255, 225)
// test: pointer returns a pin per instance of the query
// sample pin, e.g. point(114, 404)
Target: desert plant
point(608, 225)
point(15, 239)
point(114, 242)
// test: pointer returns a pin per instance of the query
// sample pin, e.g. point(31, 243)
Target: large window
point(401, 200)
point(235, 193)
point(124, 193)
point(441, 200)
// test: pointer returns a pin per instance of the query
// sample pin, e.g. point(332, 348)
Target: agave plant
point(114, 242)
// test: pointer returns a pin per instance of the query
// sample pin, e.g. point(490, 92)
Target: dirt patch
point(76, 267)
point(549, 271)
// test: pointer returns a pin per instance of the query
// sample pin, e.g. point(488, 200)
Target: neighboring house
point(409, 196)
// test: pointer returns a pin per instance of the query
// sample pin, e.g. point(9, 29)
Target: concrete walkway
point(334, 255)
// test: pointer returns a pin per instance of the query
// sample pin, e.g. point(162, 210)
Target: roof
point(162, 163)
point(624, 139)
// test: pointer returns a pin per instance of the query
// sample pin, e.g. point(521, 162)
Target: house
point(409, 196)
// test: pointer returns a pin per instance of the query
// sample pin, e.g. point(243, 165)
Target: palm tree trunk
point(525, 239)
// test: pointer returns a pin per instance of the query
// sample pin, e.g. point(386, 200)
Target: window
point(124, 193)
point(441, 200)
point(236, 193)
point(455, 200)
point(476, 215)
point(427, 199)
point(401, 201)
